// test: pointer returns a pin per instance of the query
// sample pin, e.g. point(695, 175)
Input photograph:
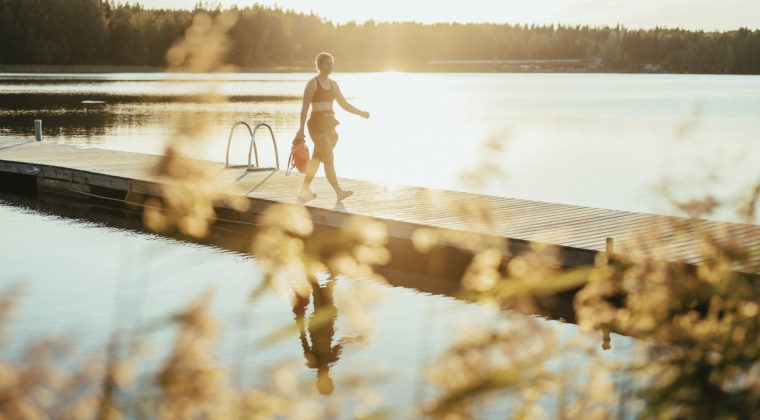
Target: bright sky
point(690, 14)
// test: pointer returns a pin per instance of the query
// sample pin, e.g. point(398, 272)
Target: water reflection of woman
point(320, 92)
point(320, 354)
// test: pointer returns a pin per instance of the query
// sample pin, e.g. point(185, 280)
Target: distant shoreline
point(19, 68)
point(452, 66)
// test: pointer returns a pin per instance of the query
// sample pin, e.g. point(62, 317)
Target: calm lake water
point(84, 281)
point(602, 140)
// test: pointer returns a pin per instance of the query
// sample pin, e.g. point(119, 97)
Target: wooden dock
point(577, 233)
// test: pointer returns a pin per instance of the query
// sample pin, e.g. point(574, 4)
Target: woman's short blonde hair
point(321, 58)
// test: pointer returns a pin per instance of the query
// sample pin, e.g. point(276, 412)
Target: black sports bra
point(322, 94)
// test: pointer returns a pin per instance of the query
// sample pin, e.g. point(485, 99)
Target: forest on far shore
point(97, 32)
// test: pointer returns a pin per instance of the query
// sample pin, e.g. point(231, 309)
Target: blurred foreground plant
point(698, 341)
point(46, 383)
point(191, 188)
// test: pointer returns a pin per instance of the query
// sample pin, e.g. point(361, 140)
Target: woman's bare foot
point(343, 195)
point(306, 195)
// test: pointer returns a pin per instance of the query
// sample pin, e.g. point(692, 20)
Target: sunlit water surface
point(84, 282)
point(602, 140)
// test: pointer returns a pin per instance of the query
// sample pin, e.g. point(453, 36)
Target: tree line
point(98, 32)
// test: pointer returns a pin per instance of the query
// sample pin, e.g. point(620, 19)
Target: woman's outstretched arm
point(347, 106)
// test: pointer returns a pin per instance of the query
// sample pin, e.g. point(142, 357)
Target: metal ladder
point(251, 148)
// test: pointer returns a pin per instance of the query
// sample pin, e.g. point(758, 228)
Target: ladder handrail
point(253, 146)
point(229, 141)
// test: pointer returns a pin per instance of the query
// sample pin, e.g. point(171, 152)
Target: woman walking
point(320, 92)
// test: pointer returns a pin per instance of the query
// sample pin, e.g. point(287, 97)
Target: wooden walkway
point(577, 233)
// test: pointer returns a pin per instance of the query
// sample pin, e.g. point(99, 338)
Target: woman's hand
point(300, 137)
point(364, 114)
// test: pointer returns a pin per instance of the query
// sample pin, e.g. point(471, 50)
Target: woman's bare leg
point(323, 153)
point(323, 149)
point(311, 171)
point(306, 193)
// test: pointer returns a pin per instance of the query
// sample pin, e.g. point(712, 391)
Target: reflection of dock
point(577, 234)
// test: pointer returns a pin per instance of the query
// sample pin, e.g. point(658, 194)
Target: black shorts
point(322, 123)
